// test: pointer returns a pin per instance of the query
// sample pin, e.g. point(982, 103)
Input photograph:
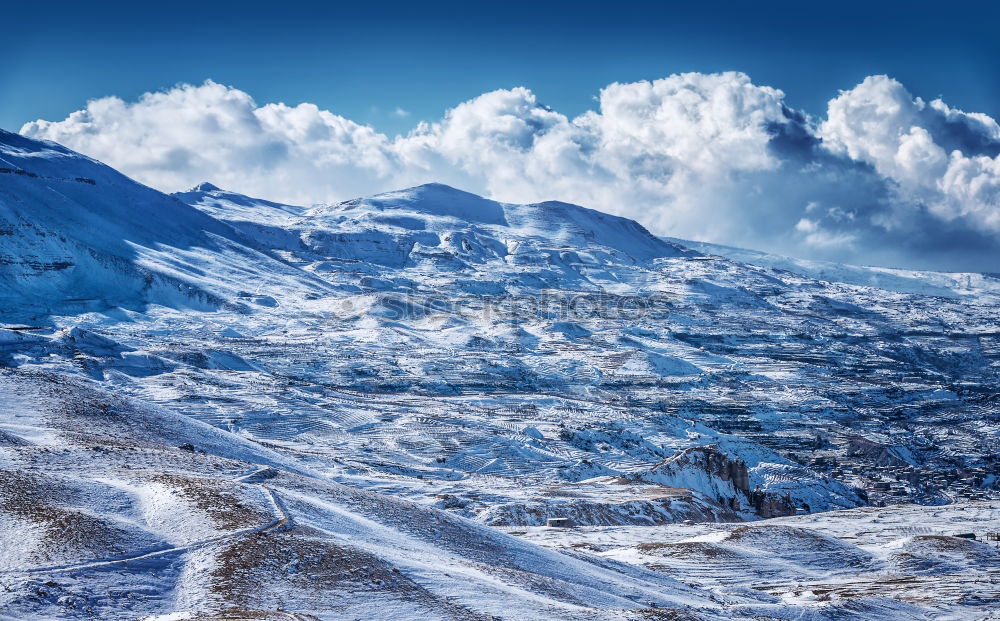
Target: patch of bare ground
point(84, 415)
point(660, 614)
point(268, 565)
point(244, 614)
point(938, 554)
point(946, 542)
point(219, 499)
point(69, 532)
point(81, 438)
point(786, 541)
point(688, 550)
point(92, 418)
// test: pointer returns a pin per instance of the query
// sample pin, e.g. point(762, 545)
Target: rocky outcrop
point(769, 504)
point(708, 470)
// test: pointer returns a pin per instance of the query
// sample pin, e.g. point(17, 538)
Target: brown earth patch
point(688, 549)
point(218, 500)
point(73, 532)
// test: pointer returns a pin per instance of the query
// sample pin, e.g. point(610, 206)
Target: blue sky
point(365, 60)
point(860, 132)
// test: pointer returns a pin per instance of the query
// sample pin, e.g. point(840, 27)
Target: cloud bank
point(884, 178)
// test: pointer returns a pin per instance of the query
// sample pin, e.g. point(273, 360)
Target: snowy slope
point(945, 284)
point(551, 223)
point(165, 513)
point(440, 227)
point(903, 562)
point(79, 235)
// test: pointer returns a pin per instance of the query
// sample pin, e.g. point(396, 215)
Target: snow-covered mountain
point(216, 404)
point(78, 235)
point(442, 231)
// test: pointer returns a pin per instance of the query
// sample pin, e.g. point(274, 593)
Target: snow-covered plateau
point(214, 406)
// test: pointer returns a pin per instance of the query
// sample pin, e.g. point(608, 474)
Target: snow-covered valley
point(216, 406)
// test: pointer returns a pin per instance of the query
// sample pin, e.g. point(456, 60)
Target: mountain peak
point(435, 200)
point(205, 186)
point(432, 193)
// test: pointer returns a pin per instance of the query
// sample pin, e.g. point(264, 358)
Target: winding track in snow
point(280, 520)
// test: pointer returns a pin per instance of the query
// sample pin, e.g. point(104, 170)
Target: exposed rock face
point(709, 470)
point(769, 504)
point(712, 461)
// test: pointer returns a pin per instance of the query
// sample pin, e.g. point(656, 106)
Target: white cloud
point(707, 156)
point(805, 225)
point(665, 152)
point(880, 123)
point(171, 140)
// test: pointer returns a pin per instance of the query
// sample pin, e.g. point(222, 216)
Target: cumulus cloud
point(884, 178)
point(940, 158)
point(172, 139)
